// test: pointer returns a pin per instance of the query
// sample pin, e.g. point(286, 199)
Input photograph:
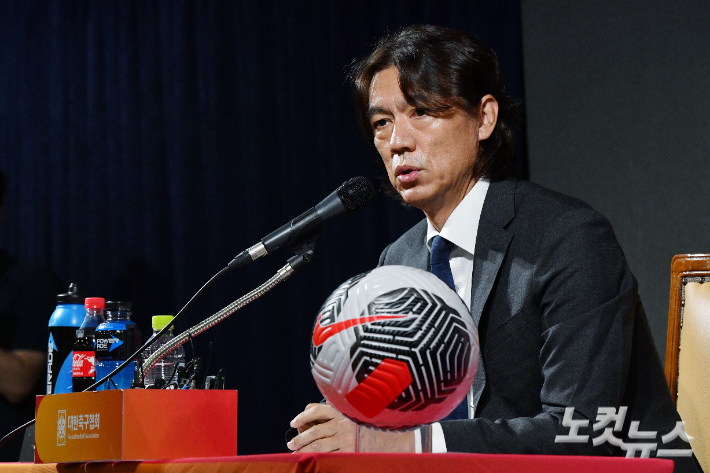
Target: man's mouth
point(406, 173)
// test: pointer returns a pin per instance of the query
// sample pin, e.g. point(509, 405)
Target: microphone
point(353, 194)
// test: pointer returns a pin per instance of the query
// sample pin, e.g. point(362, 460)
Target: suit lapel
point(491, 246)
point(413, 252)
point(492, 242)
point(418, 257)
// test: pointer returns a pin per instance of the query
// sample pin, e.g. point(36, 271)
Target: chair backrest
point(688, 348)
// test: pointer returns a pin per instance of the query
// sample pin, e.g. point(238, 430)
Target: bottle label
point(84, 364)
point(59, 359)
point(116, 341)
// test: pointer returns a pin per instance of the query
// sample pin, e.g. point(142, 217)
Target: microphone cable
point(131, 358)
point(150, 341)
point(15, 432)
point(295, 264)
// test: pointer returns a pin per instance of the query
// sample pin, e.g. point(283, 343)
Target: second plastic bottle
point(116, 339)
point(84, 362)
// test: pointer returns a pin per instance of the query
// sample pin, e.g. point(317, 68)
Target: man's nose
point(402, 139)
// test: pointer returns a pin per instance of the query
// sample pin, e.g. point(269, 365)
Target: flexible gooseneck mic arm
point(294, 265)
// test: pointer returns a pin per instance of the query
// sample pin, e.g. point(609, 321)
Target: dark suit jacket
point(560, 324)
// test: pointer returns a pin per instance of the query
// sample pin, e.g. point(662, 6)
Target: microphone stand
point(304, 253)
point(351, 195)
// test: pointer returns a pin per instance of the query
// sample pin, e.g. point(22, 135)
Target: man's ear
point(489, 117)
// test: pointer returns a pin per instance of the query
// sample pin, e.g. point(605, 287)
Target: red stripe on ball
point(380, 388)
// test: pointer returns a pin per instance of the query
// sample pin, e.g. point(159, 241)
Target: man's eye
point(420, 112)
point(379, 123)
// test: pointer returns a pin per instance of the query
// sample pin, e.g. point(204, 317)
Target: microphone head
point(355, 193)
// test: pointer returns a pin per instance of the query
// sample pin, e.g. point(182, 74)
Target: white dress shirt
point(461, 229)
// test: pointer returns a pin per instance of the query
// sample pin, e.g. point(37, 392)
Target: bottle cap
point(120, 306)
point(160, 321)
point(72, 296)
point(94, 303)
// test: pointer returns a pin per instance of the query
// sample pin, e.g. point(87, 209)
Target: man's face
point(429, 159)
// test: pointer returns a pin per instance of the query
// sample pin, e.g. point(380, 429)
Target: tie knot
point(440, 250)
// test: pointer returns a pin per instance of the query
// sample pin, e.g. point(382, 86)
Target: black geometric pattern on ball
point(435, 344)
point(332, 307)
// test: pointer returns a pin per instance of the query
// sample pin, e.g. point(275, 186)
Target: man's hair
point(439, 69)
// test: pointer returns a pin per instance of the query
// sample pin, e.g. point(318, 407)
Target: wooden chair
point(688, 348)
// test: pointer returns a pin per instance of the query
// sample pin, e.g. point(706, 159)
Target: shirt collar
point(465, 217)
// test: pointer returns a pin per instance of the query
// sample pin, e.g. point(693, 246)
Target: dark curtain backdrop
point(146, 143)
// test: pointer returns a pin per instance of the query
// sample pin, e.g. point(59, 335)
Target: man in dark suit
point(562, 331)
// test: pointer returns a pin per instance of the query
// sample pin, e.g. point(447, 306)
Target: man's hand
point(323, 429)
point(19, 372)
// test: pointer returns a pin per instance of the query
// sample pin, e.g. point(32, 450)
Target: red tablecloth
point(366, 462)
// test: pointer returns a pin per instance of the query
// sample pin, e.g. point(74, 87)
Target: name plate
point(135, 424)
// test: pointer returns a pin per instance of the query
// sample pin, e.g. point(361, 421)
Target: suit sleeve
point(585, 295)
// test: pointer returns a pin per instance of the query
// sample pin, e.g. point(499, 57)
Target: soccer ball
point(394, 348)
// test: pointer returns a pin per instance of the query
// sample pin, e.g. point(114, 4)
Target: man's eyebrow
point(374, 111)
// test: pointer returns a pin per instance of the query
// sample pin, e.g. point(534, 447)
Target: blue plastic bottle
point(116, 339)
point(67, 317)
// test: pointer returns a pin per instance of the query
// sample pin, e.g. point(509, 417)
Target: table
point(363, 462)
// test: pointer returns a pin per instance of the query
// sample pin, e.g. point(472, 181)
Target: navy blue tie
point(439, 262)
